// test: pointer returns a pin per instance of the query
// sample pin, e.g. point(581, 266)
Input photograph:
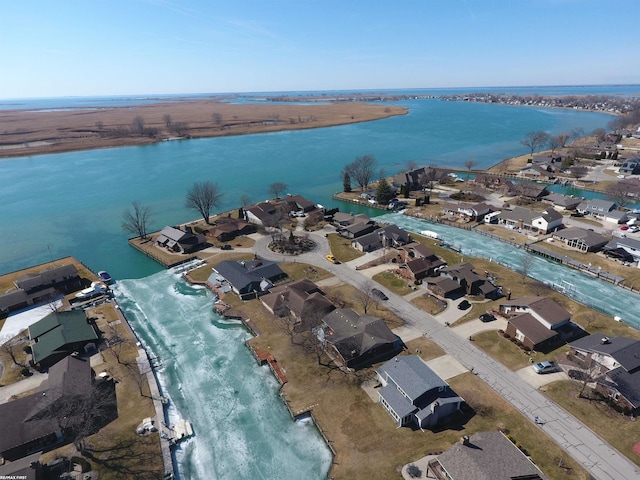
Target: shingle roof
point(57, 330)
point(532, 328)
point(412, 375)
point(627, 383)
point(546, 307)
point(46, 277)
point(242, 274)
point(625, 351)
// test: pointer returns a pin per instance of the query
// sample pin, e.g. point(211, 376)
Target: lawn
point(393, 282)
point(429, 303)
point(341, 248)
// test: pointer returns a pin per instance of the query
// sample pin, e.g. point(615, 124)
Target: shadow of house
point(356, 341)
point(178, 241)
point(618, 366)
point(34, 288)
point(412, 393)
point(58, 412)
point(484, 455)
point(59, 334)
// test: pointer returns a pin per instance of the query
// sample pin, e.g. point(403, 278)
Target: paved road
point(591, 451)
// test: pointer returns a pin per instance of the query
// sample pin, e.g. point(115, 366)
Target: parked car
point(379, 294)
point(544, 367)
point(226, 246)
point(332, 259)
point(464, 305)
point(487, 317)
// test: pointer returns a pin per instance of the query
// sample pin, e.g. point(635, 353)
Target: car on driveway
point(332, 259)
point(379, 294)
point(226, 246)
point(487, 317)
point(544, 367)
point(464, 305)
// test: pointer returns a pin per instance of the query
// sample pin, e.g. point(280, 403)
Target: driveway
point(22, 386)
point(538, 380)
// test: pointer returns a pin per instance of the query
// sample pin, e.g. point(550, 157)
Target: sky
point(118, 47)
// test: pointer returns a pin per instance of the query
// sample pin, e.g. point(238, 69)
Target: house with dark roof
point(341, 219)
point(357, 230)
point(473, 211)
point(178, 241)
point(356, 341)
point(470, 281)
point(45, 419)
point(42, 286)
point(412, 393)
point(597, 207)
point(303, 301)
point(537, 171)
point(490, 181)
point(538, 322)
point(630, 167)
point(297, 203)
point(630, 246)
point(524, 218)
point(445, 287)
point(250, 277)
point(484, 456)
point(528, 190)
point(226, 229)
point(562, 202)
point(581, 239)
point(60, 334)
point(617, 364)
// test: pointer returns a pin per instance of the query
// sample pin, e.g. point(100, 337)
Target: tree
point(136, 220)
point(554, 143)
point(411, 165)
point(217, 118)
point(11, 348)
point(137, 126)
point(167, 121)
point(346, 181)
point(526, 262)
point(203, 196)
point(430, 178)
point(245, 200)
point(563, 138)
point(384, 192)
point(579, 171)
point(620, 193)
point(535, 140)
point(469, 164)
point(362, 170)
point(179, 128)
point(600, 134)
point(364, 296)
point(276, 188)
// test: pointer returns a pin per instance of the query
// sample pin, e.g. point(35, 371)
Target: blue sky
point(116, 47)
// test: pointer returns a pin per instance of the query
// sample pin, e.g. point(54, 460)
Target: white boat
point(96, 288)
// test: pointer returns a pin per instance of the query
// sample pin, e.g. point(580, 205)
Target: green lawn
point(341, 248)
point(393, 282)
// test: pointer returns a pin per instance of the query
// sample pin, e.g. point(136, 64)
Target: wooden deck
point(264, 356)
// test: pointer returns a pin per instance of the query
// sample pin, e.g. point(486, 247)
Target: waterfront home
point(470, 281)
point(614, 363)
point(629, 245)
point(527, 190)
point(523, 218)
point(537, 172)
point(356, 341)
point(484, 455)
point(250, 278)
point(538, 322)
point(489, 180)
point(297, 203)
point(59, 334)
point(597, 207)
point(389, 236)
point(562, 202)
point(46, 418)
point(303, 302)
point(263, 214)
point(341, 219)
point(226, 229)
point(581, 239)
point(418, 261)
point(630, 167)
point(412, 393)
point(39, 287)
point(470, 211)
point(179, 241)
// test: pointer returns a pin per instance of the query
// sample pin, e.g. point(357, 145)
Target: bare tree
point(469, 164)
point(364, 296)
point(411, 165)
point(535, 140)
point(579, 171)
point(100, 125)
point(620, 193)
point(203, 196)
point(562, 139)
point(362, 170)
point(276, 188)
point(600, 134)
point(136, 220)
point(430, 178)
point(11, 348)
point(137, 126)
point(217, 118)
point(245, 200)
point(180, 128)
point(167, 121)
point(526, 262)
point(555, 143)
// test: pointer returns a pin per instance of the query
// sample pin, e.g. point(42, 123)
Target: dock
point(264, 356)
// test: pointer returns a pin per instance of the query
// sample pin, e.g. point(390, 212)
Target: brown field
point(26, 132)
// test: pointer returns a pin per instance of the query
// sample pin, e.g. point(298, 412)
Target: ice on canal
point(242, 429)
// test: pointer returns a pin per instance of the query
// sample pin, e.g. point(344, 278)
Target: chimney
point(464, 440)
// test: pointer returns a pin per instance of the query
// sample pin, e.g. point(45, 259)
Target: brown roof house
point(470, 281)
point(357, 341)
point(412, 393)
point(178, 241)
point(484, 456)
point(445, 287)
point(226, 229)
point(54, 415)
point(538, 322)
point(617, 364)
point(302, 301)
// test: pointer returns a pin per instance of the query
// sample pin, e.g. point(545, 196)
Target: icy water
point(242, 429)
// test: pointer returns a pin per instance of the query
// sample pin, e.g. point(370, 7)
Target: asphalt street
point(591, 451)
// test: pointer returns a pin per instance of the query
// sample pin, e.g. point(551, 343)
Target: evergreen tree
point(346, 181)
point(384, 192)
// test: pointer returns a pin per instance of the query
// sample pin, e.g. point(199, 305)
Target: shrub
point(507, 336)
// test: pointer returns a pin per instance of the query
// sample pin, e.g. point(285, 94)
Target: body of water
point(72, 204)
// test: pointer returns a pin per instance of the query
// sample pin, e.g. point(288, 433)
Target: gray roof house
point(629, 245)
point(581, 239)
point(562, 202)
point(250, 276)
point(484, 456)
point(630, 167)
point(176, 240)
point(597, 207)
point(618, 361)
point(413, 393)
point(520, 217)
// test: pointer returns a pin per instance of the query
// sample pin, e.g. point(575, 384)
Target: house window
point(520, 335)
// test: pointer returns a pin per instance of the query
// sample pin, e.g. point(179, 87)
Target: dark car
point(379, 294)
point(487, 317)
point(463, 305)
point(226, 246)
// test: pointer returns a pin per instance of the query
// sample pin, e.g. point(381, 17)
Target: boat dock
point(264, 356)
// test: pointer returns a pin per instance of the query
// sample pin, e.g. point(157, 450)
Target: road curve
point(587, 448)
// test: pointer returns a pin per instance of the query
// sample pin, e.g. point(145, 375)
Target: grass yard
point(429, 304)
point(341, 248)
point(393, 282)
point(621, 432)
point(297, 271)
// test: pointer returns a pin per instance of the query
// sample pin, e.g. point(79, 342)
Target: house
point(527, 190)
point(538, 322)
point(226, 229)
point(263, 214)
point(341, 219)
point(471, 282)
point(39, 287)
point(445, 287)
point(297, 203)
point(629, 245)
point(415, 250)
point(357, 229)
point(60, 334)
point(413, 393)
point(616, 361)
point(616, 216)
point(484, 455)
point(562, 202)
point(356, 341)
point(178, 241)
point(490, 181)
point(250, 277)
point(597, 207)
point(523, 218)
point(474, 210)
point(581, 239)
point(420, 268)
point(537, 171)
point(369, 242)
point(393, 236)
point(302, 301)
point(45, 419)
point(630, 167)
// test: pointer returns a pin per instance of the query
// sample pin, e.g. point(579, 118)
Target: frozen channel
point(599, 294)
point(242, 429)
